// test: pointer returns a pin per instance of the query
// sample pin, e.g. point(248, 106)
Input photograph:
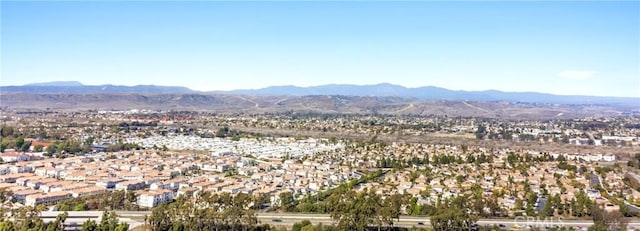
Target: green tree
point(79, 207)
point(19, 141)
point(178, 226)
point(25, 146)
point(298, 226)
point(89, 140)
point(6, 131)
point(605, 220)
point(159, 218)
point(4, 145)
point(109, 221)
point(624, 209)
point(122, 227)
point(451, 219)
point(481, 132)
point(355, 211)
point(7, 226)
point(547, 210)
point(58, 224)
point(286, 201)
point(206, 211)
point(38, 148)
point(49, 151)
point(308, 228)
point(89, 225)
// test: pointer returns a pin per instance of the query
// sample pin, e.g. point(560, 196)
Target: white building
point(20, 168)
point(153, 198)
point(88, 191)
point(46, 199)
point(609, 158)
point(8, 157)
point(131, 185)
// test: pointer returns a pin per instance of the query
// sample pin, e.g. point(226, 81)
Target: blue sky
point(585, 48)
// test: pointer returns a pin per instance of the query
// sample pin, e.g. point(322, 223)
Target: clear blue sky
point(586, 48)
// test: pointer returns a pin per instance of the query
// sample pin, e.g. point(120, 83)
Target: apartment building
point(88, 191)
point(46, 199)
point(131, 185)
point(21, 193)
point(153, 198)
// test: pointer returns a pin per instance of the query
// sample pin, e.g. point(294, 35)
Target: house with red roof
point(35, 144)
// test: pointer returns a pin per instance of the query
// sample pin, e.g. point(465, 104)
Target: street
point(136, 218)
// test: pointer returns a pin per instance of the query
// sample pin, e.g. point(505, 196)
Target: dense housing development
point(503, 168)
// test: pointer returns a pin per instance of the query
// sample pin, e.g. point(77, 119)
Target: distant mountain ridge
point(437, 93)
point(74, 87)
point(378, 90)
point(57, 84)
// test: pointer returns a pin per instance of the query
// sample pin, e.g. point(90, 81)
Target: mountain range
point(73, 87)
point(379, 90)
point(384, 99)
point(437, 93)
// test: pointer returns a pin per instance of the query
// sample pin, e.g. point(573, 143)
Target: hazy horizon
point(562, 48)
point(53, 83)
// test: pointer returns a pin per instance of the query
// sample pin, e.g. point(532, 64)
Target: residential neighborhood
point(159, 159)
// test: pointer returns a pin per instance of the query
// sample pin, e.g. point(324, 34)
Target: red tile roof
point(44, 144)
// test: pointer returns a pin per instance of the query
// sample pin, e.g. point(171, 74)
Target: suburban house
point(42, 145)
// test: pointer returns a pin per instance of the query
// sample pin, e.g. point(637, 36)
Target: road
point(136, 218)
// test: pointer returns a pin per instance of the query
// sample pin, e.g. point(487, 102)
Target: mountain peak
point(57, 84)
point(388, 85)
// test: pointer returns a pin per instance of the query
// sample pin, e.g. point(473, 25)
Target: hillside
point(303, 104)
point(377, 90)
point(437, 93)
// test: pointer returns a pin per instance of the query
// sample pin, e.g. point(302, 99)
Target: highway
point(136, 218)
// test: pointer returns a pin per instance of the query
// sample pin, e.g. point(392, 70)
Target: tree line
point(205, 211)
point(28, 219)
